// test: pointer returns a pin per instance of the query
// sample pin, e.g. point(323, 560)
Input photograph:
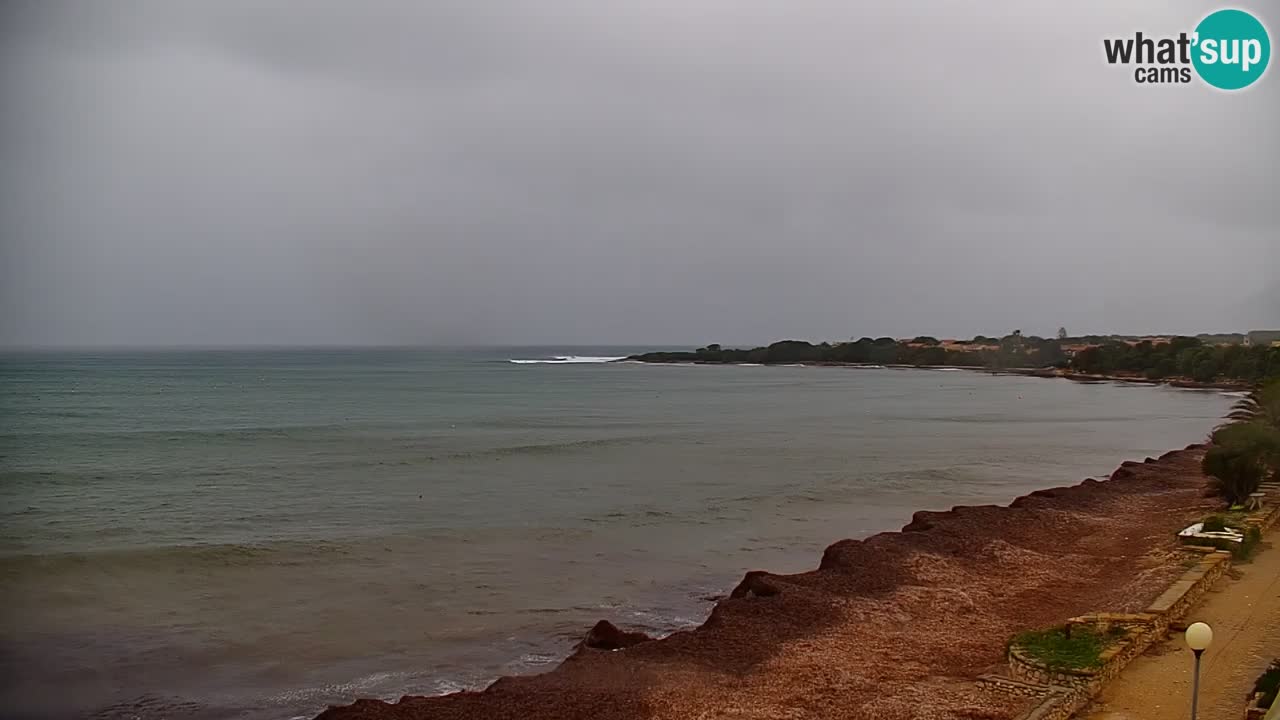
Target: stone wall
point(1186, 591)
point(1270, 515)
point(1014, 688)
point(1058, 705)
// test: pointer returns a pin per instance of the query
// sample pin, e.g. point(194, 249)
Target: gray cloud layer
point(679, 171)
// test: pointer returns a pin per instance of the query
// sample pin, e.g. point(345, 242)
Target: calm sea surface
point(258, 534)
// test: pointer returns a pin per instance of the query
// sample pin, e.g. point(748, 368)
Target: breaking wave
point(566, 360)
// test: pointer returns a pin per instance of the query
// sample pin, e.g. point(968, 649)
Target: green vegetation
point(1056, 650)
point(1269, 685)
point(1247, 448)
point(1012, 351)
point(1185, 357)
point(1214, 523)
point(1181, 357)
point(1261, 405)
point(1252, 538)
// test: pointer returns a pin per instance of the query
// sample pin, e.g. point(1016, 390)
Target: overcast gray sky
point(619, 171)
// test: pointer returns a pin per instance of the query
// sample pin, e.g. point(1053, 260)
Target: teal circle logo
point(1232, 49)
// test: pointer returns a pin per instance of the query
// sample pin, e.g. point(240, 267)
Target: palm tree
point(1262, 404)
point(1246, 446)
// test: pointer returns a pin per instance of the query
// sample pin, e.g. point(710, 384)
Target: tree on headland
point(1062, 333)
point(1180, 357)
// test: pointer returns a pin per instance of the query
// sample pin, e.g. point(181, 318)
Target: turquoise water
point(260, 533)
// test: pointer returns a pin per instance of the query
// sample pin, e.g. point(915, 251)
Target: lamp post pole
point(1198, 637)
point(1195, 684)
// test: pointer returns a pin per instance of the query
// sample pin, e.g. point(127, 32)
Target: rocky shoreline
point(1175, 381)
point(892, 627)
point(1178, 382)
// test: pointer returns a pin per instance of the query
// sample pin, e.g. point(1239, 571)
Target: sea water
point(261, 533)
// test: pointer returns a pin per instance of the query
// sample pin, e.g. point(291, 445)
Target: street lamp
point(1198, 637)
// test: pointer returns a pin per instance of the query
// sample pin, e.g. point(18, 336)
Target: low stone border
point(1014, 688)
point(1187, 590)
point(1062, 692)
point(1139, 632)
point(1059, 704)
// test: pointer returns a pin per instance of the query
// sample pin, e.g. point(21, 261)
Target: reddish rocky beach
point(892, 627)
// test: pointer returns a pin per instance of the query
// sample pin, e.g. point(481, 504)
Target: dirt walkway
point(1245, 616)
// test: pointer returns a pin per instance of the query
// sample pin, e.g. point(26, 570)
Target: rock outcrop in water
point(606, 636)
point(893, 627)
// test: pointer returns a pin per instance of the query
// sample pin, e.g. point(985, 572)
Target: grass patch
point(1053, 649)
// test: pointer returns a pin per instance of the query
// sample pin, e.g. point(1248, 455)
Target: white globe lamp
point(1198, 638)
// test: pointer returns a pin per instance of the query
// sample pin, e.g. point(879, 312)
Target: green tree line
point(1182, 357)
point(1009, 352)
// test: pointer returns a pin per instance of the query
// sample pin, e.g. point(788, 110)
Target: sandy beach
point(896, 626)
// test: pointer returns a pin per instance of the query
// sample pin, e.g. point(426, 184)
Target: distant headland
point(1221, 360)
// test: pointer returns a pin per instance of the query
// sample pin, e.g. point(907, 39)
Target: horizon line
point(178, 347)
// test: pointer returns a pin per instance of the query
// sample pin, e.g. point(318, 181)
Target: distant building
point(1262, 337)
point(1072, 348)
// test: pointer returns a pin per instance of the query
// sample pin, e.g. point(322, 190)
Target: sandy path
point(1245, 616)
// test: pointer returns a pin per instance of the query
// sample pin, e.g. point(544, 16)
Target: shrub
point(1214, 523)
point(1235, 469)
point(1252, 537)
point(1269, 685)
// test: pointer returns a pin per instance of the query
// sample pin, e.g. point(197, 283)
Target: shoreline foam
point(893, 626)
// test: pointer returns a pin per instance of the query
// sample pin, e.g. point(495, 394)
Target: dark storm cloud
point(374, 172)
